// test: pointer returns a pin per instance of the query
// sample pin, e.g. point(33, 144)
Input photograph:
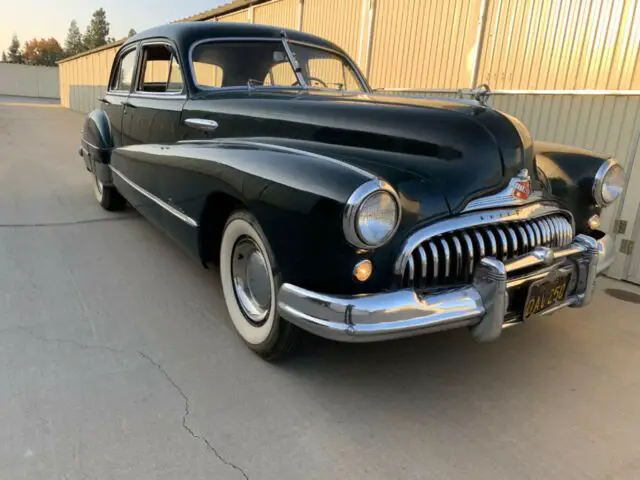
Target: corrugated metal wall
point(84, 80)
point(423, 44)
point(427, 44)
point(281, 13)
point(562, 44)
point(241, 16)
point(343, 27)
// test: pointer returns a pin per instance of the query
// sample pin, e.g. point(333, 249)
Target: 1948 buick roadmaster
point(330, 209)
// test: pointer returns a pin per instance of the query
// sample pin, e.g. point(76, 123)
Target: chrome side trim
point(507, 197)
point(95, 147)
point(172, 210)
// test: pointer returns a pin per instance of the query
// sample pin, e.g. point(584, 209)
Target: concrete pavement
point(118, 360)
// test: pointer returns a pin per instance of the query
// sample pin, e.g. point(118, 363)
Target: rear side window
point(160, 70)
point(123, 78)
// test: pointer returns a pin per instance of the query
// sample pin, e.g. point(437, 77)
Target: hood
point(459, 150)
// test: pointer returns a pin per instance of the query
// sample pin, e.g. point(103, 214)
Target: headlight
point(609, 183)
point(372, 215)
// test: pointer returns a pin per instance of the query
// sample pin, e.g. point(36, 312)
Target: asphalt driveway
point(118, 361)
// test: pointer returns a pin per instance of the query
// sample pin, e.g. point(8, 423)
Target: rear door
point(151, 122)
point(118, 91)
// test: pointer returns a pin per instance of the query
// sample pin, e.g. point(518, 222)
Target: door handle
point(104, 101)
point(201, 124)
point(127, 104)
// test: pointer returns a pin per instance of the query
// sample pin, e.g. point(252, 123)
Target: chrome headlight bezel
point(350, 217)
point(600, 179)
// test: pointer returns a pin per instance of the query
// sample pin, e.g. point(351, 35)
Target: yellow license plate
point(546, 293)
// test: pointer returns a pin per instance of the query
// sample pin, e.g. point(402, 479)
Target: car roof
point(186, 33)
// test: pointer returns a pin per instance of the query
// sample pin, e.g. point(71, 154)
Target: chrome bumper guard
point(481, 306)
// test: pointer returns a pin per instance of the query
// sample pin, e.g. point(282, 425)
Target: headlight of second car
point(609, 183)
point(372, 215)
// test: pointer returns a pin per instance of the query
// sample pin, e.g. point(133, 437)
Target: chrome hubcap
point(251, 280)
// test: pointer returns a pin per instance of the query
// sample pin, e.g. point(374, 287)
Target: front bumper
point(481, 306)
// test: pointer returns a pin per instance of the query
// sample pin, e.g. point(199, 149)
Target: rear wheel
point(250, 285)
point(107, 196)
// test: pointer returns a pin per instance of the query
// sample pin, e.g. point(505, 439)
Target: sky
point(51, 18)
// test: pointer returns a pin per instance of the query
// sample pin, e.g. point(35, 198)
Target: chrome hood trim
point(518, 192)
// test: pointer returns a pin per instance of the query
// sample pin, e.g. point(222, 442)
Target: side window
point(161, 71)
point(123, 78)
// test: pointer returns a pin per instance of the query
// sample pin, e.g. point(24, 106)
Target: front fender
point(569, 174)
point(298, 198)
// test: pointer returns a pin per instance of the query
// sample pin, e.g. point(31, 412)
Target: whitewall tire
point(250, 287)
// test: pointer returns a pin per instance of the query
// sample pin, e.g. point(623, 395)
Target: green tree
point(42, 52)
point(97, 31)
point(4, 57)
point(73, 44)
point(15, 54)
point(131, 33)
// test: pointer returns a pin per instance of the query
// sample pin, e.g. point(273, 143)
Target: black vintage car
point(352, 215)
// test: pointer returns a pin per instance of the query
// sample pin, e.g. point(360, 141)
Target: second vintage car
point(328, 208)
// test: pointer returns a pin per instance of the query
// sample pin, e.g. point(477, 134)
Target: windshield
point(255, 63)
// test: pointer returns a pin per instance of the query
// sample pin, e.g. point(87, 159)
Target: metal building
point(569, 69)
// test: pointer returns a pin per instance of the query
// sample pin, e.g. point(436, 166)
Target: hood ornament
point(518, 192)
point(522, 185)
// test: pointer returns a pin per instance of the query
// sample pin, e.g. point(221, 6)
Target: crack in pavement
point(157, 366)
point(69, 223)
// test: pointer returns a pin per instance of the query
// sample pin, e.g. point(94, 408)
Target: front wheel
point(107, 196)
point(250, 285)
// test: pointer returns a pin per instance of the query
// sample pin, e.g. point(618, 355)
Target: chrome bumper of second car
point(481, 306)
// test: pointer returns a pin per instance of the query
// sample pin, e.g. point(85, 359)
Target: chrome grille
point(451, 257)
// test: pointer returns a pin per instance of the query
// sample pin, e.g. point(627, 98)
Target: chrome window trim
point(172, 210)
point(475, 219)
point(361, 78)
point(293, 61)
point(120, 55)
point(142, 93)
point(352, 208)
point(598, 181)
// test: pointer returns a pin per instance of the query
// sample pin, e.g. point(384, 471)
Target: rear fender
point(97, 144)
